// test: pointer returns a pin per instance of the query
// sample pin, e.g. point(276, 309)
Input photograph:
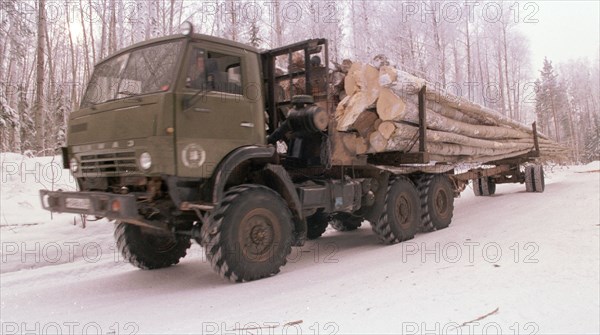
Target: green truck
point(192, 137)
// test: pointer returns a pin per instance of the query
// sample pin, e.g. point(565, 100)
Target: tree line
point(472, 49)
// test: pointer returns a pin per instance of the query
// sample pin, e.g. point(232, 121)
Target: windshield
point(147, 70)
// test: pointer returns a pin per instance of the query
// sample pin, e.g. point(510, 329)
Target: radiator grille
point(109, 163)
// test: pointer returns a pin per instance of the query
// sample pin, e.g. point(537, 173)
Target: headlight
point(74, 165)
point(186, 28)
point(145, 161)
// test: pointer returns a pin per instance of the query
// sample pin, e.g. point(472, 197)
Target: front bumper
point(113, 206)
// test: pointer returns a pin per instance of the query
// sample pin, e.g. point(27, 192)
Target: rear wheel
point(149, 249)
point(484, 186)
point(400, 217)
point(437, 201)
point(250, 234)
point(534, 179)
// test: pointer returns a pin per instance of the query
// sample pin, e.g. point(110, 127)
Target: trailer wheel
point(437, 201)
point(400, 216)
point(484, 186)
point(316, 225)
point(250, 234)
point(149, 250)
point(534, 179)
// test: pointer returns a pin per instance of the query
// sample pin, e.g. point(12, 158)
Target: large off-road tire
point(534, 179)
point(148, 249)
point(484, 186)
point(316, 225)
point(437, 201)
point(399, 219)
point(345, 222)
point(250, 234)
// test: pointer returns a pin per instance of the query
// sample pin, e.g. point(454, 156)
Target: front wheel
point(250, 234)
point(148, 249)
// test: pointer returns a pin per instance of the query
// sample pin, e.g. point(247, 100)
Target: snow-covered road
point(531, 261)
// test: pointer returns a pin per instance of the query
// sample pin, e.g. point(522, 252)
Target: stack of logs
point(380, 107)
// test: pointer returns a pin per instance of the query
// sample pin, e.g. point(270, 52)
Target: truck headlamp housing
point(186, 28)
point(145, 161)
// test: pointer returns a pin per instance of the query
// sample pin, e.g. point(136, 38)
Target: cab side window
point(214, 71)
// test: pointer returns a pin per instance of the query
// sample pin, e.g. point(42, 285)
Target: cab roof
point(192, 37)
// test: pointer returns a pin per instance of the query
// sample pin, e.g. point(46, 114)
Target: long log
point(409, 85)
point(388, 79)
point(405, 131)
point(410, 113)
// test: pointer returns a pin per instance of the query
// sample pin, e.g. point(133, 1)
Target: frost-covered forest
point(474, 49)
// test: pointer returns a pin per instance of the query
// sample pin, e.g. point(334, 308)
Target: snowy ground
point(531, 261)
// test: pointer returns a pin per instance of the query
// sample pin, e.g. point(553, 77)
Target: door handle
point(247, 124)
point(201, 110)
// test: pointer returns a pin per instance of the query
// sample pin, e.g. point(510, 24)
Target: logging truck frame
point(171, 163)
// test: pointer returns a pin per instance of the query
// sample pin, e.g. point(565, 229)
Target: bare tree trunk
point(103, 33)
point(39, 88)
point(510, 110)
point(481, 73)
point(469, 76)
point(575, 142)
point(112, 30)
point(3, 52)
point(50, 127)
point(501, 83)
point(171, 14)
point(278, 24)
point(85, 44)
point(441, 57)
point(517, 95)
point(457, 76)
point(73, 66)
point(556, 128)
point(92, 35)
point(234, 24)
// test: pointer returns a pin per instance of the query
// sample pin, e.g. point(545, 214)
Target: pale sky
point(566, 30)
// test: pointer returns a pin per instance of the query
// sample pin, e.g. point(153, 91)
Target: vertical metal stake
point(422, 120)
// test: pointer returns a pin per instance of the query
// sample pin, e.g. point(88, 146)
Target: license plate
point(78, 203)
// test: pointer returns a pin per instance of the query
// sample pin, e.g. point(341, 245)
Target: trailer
point(192, 137)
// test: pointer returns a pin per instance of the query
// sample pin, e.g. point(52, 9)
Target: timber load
point(379, 112)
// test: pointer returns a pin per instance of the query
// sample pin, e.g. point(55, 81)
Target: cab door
point(216, 111)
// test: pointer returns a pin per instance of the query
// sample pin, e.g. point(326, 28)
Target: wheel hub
point(403, 211)
point(257, 234)
point(441, 202)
